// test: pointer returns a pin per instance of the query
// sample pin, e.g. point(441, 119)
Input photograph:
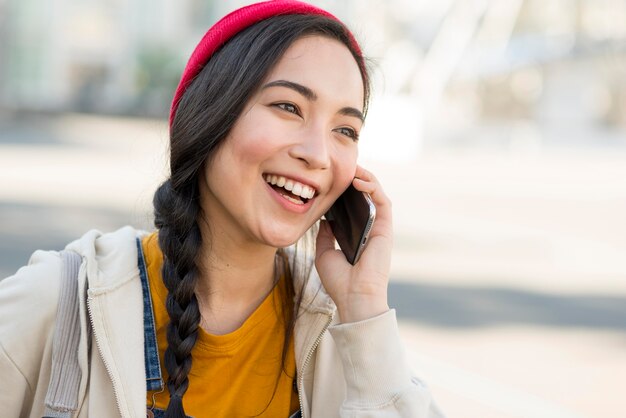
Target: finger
point(369, 184)
point(374, 189)
point(364, 185)
point(363, 174)
point(325, 239)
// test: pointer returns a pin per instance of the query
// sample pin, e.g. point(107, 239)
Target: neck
point(235, 277)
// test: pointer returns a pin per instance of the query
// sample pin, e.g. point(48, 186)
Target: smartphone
point(351, 218)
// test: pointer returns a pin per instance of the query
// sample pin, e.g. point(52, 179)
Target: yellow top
point(232, 375)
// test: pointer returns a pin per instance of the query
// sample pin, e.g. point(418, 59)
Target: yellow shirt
point(232, 375)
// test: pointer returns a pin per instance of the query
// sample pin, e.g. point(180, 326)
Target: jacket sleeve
point(28, 302)
point(378, 380)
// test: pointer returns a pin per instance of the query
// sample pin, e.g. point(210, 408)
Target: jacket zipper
point(306, 362)
point(106, 365)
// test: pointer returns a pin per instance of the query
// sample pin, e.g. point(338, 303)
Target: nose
point(312, 149)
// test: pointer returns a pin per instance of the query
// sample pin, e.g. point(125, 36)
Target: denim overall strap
point(151, 349)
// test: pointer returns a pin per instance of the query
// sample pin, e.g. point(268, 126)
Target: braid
point(179, 238)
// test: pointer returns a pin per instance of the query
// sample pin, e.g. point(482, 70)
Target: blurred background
point(498, 128)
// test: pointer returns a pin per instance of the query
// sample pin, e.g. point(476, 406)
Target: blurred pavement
point(509, 273)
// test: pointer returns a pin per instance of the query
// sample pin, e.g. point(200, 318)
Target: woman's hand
point(359, 291)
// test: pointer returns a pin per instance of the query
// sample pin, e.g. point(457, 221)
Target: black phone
point(351, 218)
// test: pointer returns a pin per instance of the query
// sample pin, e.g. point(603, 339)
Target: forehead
point(324, 65)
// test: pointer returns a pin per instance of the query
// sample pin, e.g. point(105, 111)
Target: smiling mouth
point(293, 191)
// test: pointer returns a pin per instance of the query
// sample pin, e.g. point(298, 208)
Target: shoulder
point(29, 299)
point(34, 286)
point(30, 296)
point(28, 305)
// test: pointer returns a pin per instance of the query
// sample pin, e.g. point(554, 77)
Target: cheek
point(253, 142)
point(345, 168)
point(248, 151)
point(343, 173)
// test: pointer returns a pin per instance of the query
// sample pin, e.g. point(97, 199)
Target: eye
point(288, 107)
point(349, 132)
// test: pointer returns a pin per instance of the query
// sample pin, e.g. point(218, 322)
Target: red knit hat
point(232, 24)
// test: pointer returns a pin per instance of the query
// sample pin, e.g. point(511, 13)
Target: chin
point(281, 238)
point(282, 241)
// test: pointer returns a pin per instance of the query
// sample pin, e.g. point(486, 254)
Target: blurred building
point(504, 73)
point(109, 56)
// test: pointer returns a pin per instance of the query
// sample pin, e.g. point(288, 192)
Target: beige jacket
point(353, 370)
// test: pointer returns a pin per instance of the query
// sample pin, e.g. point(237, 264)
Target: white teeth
point(293, 186)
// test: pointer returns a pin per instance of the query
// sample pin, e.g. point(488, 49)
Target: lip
point(286, 204)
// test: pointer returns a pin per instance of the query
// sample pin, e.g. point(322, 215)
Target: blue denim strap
point(159, 413)
point(151, 349)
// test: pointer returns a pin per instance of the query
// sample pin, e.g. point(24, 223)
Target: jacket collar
point(307, 282)
point(112, 260)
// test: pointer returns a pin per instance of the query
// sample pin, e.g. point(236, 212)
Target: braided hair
point(206, 113)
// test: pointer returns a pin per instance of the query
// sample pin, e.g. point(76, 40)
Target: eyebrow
point(311, 96)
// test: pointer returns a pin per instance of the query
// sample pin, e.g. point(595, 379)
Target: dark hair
point(205, 115)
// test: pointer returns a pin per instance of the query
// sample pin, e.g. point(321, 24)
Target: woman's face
point(293, 149)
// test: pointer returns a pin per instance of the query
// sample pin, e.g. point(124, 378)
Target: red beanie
point(232, 24)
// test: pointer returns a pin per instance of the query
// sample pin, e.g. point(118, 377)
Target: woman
point(216, 313)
